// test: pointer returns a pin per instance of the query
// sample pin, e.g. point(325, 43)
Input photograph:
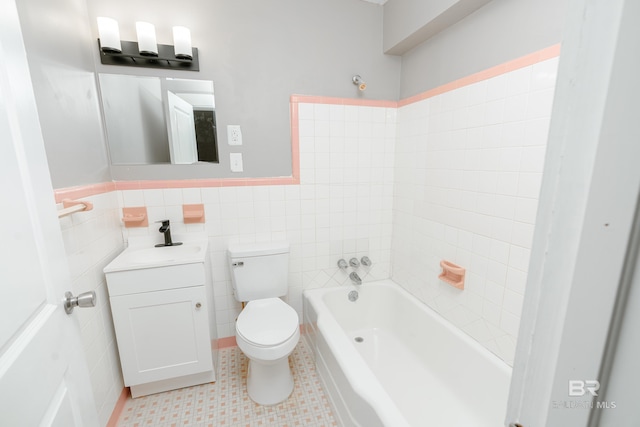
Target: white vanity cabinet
point(162, 324)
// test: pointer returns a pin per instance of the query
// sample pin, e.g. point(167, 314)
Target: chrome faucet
point(355, 278)
point(166, 229)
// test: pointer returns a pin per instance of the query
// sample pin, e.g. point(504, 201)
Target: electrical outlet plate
point(236, 162)
point(234, 135)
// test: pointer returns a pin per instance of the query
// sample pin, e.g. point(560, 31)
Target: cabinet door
point(162, 334)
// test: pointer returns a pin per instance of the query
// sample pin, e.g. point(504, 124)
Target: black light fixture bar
point(131, 57)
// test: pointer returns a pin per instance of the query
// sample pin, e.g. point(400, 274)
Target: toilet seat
point(267, 322)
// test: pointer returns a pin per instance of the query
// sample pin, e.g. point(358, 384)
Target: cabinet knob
point(198, 305)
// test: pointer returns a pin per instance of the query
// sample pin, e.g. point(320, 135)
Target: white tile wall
point(467, 176)
point(92, 239)
point(341, 209)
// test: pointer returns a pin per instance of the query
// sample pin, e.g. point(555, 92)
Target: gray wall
point(498, 32)
point(57, 38)
point(408, 23)
point(403, 18)
point(258, 53)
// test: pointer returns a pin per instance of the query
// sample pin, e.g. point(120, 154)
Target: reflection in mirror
point(152, 120)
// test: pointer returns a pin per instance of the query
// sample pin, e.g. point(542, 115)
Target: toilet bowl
point(267, 328)
point(267, 332)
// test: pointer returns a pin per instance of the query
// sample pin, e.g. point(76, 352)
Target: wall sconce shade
point(146, 52)
point(182, 42)
point(109, 35)
point(147, 44)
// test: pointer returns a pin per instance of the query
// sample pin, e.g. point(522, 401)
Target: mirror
point(154, 120)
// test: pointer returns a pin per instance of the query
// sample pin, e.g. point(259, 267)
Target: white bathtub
point(412, 368)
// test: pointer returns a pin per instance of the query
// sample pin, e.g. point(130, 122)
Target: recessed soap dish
point(135, 217)
point(193, 213)
point(452, 274)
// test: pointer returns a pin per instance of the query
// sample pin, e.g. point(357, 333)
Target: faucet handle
point(163, 221)
point(342, 264)
point(353, 262)
point(366, 261)
point(355, 278)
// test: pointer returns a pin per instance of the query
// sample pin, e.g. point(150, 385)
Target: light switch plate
point(234, 135)
point(236, 162)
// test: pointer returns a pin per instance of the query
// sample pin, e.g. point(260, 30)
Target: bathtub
point(389, 360)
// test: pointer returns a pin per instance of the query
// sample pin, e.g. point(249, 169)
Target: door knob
point(85, 299)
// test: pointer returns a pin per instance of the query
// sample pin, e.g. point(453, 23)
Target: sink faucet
point(355, 278)
point(166, 229)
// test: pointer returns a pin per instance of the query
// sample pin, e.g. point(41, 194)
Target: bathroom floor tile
point(226, 402)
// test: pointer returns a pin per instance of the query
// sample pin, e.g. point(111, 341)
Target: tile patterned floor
point(226, 403)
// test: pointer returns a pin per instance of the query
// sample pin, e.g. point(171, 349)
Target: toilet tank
point(259, 270)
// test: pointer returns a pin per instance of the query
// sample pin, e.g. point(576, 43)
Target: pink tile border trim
point(94, 189)
point(205, 183)
point(515, 64)
point(117, 410)
point(227, 342)
point(309, 99)
point(81, 191)
point(294, 179)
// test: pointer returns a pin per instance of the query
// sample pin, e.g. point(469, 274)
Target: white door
point(583, 244)
point(620, 375)
point(43, 375)
point(182, 131)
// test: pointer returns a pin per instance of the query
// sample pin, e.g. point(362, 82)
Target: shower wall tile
point(92, 239)
point(341, 209)
point(468, 169)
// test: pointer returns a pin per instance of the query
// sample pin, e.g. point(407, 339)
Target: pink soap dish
point(193, 213)
point(452, 274)
point(135, 217)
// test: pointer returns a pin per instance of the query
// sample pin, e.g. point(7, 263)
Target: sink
point(163, 254)
point(136, 257)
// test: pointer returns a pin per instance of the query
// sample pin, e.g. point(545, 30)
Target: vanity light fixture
point(146, 52)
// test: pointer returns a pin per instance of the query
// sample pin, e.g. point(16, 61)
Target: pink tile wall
point(468, 168)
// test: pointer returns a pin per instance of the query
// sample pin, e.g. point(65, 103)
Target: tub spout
point(355, 278)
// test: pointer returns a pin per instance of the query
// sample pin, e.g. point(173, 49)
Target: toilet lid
point(267, 322)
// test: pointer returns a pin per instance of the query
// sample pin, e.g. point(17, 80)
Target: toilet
point(267, 328)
